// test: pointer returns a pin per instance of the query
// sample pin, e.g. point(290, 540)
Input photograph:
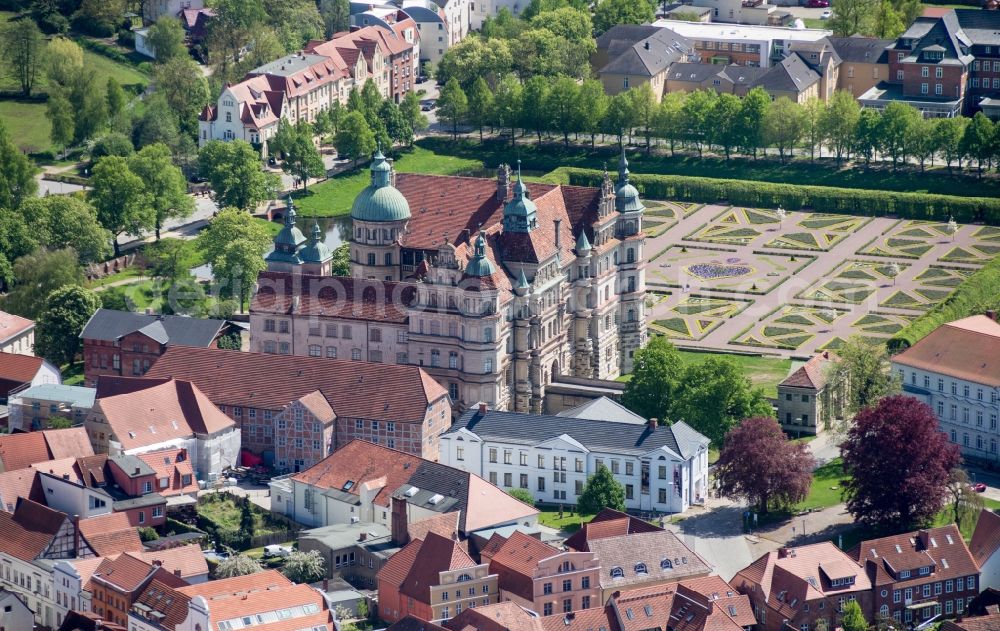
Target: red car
point(979, 487)
point(818, 4)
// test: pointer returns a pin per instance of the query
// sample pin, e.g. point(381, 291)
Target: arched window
point(640, 568)
point(617, 572)
point(464, 577)
point(665, 564)
point(884, 611)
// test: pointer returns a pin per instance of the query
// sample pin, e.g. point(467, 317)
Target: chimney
point(400, 521)
point(651, 424)
point(991, 314)
point(483, 408)
point(645, 45)
point(363, 536)
point(783, 553)
point(503, 183)
point(326, 584)
point(826, 354)
point(157, 563)
point(177, 573)
point(65, 476)
point(558, 223)
point(136, 471)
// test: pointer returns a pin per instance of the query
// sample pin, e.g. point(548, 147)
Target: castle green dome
point(380, 200)
point(626, 196)
point(316, 251)
point(480, 266)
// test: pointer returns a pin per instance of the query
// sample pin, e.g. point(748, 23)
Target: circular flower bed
point(710, 271)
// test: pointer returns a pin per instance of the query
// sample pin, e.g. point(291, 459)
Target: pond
point(336, 229)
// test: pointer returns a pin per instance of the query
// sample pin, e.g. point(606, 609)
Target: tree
point(504, 25)
point(619, 119)
point(247, 523)
point(409, 108)
point(480, 104)
point(567, 22)
point(64, 60)
point(186, 91)
point(453, 104)
point(166, 38)
point(866, 135)
point(59, 111)
point(978, 141)
point(236, 173)
point(965, 502)
point(750, 120)
point(167, 259)
point(507, 101)
point(714, 395)
point(283, 137)
point(111, 144)
point(304, 567)
point(355, 137)
point(371, 101)
point(601, 491)
point(302, 159)
point(89, 99)
point(864, 370)
point(164, 182)
point(116, 98)
point(723, 121)
point(37, 275)
point(533, 113)
point(17, 173)
point(67, 221)
point(122, 201)
point(340, 265)
point(523, 495)
point(336, 16)
point(899, 462)
point(887, 23)
point(894, 127)
point(759, 464)
point(695, 112)
point(67, 310)
point(852, 17)
point(231, 29)
point(839, 122)
point(23, 48)
point(813, 112)
point(920, 140)
point(657, 370)
point(237, 565)
point(784, 124)
point(612, 12)
point(295, 22)
point(948, 133)
point(853, 619)
point(472, 58)
point(235, 245)
point(591, 106)
point(644, 107)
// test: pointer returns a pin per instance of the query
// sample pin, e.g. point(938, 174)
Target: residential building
point(644, 559)
point(985, 549)
point(431, 288)
point(358, 481)
point(700, 604)
point(274, 401)
point(14, 613)
point(864, 62)
point(987, 622)
point(647, 61)
point(822, 58)
point(153, 10)
point(23, 449)
point(433, 579)
point(269, 600)
point(34, 407)
point(791, 77)
point(122, 343)
point(37, 537)
point(87, 621)
point(136, 416)
point(678, 11)
point(608, 523)
point(185, 561)
point(19, 371)
point(744, 45)
point(955, 369)
point(917, 576)
point(196, 23)
point(17, 334)
point(744, 12)
point(398, 22)
point(174, 473)
point(798, 587)
point(17, 484)
point(118, 581)
point(542, 578)
point(435, 26)
point(662, 468)
point(811, 398)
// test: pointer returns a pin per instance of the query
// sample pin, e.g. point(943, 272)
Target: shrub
point(148, 534)
point(846, 201)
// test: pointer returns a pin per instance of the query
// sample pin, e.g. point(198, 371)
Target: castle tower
point(288, 241)
point(520, 214)
point(316, 257)
point(379, 214)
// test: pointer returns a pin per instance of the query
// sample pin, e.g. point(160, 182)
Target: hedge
point(756, 194)
point(977, 293)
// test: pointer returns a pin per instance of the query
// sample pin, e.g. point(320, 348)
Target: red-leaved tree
point(759, 464)
point(899, 461)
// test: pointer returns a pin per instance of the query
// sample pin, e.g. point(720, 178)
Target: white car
point(277, 551)
point(826, 15)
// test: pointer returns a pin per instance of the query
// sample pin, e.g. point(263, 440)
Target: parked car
point(826, 15)
point(421, 78)
point(428, 105)
point(277, 551)
point(979, 487)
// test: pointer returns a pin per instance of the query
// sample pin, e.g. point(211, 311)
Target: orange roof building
point(700, 604)
point(812, 397)
point(151, 415)
point(985, 549)
point(17, 334)
point(24, 449)
point(955, 369)
point(19, 370)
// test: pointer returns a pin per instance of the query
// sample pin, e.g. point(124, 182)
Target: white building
point(153, 10)
point(17, 334)
point(956, 370)
point(749, 45)
point(662, 468)
point(985, 548)
point(14, 614)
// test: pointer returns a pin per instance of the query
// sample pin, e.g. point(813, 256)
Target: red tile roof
point(943, 548)
point(618, 524)
point(445, 524)
point(16, 370)
point(172, 464)
point(23, 449)
point(124, 572)
point(434, 555)
point(967, 349)
point(16, 484)
point(989, 622)
point(162, 411)
point(516, 561)
point(188, 560)
point(273, 381)
point(13, 325)
point(813, 374)
point(163, 598)
point(985, 538)
point(334, 296)
point(596, 619)
point(110, 534)
point(28, 531)
point(506, 616)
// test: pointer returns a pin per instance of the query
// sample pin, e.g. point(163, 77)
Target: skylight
point(348, 485)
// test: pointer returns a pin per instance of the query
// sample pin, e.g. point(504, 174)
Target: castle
point(495, 287)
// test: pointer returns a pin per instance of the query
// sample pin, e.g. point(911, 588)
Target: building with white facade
point(14, 614)
point(956, 370)
point(749, 45)
point(17, 334)
point(662, 468)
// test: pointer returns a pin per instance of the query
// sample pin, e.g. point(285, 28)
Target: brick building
point(278, 401)
point(118, 581)
point(392, 56)
point(122, 343)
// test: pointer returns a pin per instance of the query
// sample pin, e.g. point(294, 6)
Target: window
point(899, 75)
point(938, 89)
point(507, 479)
point(567, 605)
point(315, 350)
point(585, 602)
point(547, 609)
point(356, 354)
point(629, 492)
point(949, 586)
point(924, 71)
point(640, 568)
point(541, 483)
point(524, 480)
point(547, 588)
point(923, 88)
point(939, 73)
point(331, 352)
point(616, 572)
point(493, 454)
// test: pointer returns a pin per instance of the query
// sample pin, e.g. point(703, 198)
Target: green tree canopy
point(304, 567)
point(601, 491)
point(67, 310)
point(61, 221)
point(237, 565)
point(185, 89)
point(715, 395)
point(453, 104)
point(656, 374)
point(166, 38)
point(236, 173)
point(64, 60)
point(783, 126)
point(864, 369)
point(302, 159)
point(336, 16)
point(17, 173)
point(37, 275)
point(164, 182)
point(853, 619)
point(22, 47)
point(474, 57)
point(122, 201)
point(523, 495)
point(355, 137)
point(612, 12)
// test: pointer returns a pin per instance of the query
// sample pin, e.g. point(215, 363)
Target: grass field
point(552, 155)
point(334, 197)
point(27, 125)
point(764, 372)
point(826, 487)
point(569, 522)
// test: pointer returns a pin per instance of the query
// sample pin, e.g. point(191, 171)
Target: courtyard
point(799, 282)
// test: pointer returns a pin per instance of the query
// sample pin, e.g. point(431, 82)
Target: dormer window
point(924, 571)
point(904, 574)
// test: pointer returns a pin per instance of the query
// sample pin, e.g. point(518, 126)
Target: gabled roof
point(700, 604)
point(110, 534)
point(791, 74)
point(988, 622)
point(158, 410)
point(516, 560)
point(646, 557)
point(505, 616)
point(968, 349)
point(422, 564)
point(29, 530)
point(607, 523)
point(604, 409)
point(858, 49)
point(813, 374)
point(20, 483)
point(942, 548)
point(87, 621)
point(110, 325)
point(126, 572)
point(16, 370)
point(184, 561)
point(172, 465)
point(23, 449)
point(594, 619)
point(13, 325)
point(986, 537)
point(650, 56)
point(273, 381)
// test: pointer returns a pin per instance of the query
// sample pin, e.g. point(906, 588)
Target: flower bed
point(708, 271)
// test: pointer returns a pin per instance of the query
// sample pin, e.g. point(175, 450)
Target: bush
point(974, 295)
point(829, 199)
point(85, 24)
point(126, 39)
point(53, 24)
point(148, 534)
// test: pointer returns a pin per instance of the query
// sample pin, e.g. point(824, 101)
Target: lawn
point(826, 487)
point(764, 372)
point(570, 521)
point(27, 124)
point(105, 67)
point(72, 374)
point(334, 197)
point(800, 171)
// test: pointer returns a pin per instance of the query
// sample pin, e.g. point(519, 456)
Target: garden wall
point(754, 194)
